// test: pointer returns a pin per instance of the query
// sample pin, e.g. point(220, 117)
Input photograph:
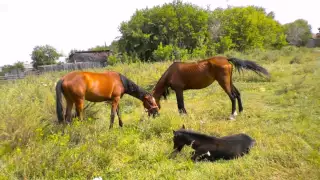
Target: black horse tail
point(250, 65)
point(59, 107)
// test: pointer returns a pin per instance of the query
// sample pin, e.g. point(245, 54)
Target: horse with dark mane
point(182, 76)
point(210, 147)
point(98, 87)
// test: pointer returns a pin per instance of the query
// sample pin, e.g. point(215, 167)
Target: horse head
point(150, 105)
point(180, 139)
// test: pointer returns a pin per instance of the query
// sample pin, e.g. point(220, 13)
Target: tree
point(44, 55)
point(244, 28)
point(183, 25)
point(19, 65)
point(318, 34)
point(9, 68)
point(99, 48)
point(298, 32)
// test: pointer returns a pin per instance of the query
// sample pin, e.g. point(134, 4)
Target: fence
point(18, 74)
point(71, 66)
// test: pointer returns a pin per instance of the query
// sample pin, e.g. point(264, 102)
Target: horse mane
point(132, 88)
point(162, 82)
point(196, 134)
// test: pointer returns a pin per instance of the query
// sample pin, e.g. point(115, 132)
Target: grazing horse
point(98, 87)
point(182, 76)
point(210, 147)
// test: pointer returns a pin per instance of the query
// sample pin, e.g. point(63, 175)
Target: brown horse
point(98, 87)
point(197, 75)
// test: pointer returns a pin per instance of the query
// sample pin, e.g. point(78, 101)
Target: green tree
point(298, 32)
point(244, 28)
point(9, 68)
point(19, 65)
point(179, 24)
point(44, 55)
point(99, 48)
point(113, 47)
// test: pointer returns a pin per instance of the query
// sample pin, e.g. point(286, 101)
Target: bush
point(296, 59)
point(181, 54)
point(163, 52)
point(271, 56)
point(112, 60)
point(170, 52)
point(199, 52)
point(288, 50)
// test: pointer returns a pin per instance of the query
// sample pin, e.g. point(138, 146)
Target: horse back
point(93, 86)
point(239, 143)
point(194, 75)
point(229, 147)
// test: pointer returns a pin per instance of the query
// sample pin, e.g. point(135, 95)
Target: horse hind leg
point(238, 96)
point(226, 86)
point(79, 108)
point(68, 115)
point(114, 107)
point(180, 101)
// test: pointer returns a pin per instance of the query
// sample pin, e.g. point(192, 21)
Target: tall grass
point(282, 114)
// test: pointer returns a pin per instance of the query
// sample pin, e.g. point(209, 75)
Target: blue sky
point(82, 24)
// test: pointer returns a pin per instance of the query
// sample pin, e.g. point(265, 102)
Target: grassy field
point(282, 114)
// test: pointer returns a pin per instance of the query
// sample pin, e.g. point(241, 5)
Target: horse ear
point(183, 127)
point(174, 131)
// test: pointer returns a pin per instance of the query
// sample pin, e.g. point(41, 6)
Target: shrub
point(199, 52)
point(271, 56)
point(112, 60)
point(288, 50)
point(163, 52)
point(296, 59)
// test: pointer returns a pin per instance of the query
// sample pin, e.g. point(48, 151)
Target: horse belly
point(97, 96)
point(199, 82)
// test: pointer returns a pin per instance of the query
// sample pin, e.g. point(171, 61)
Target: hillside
point(282, 114)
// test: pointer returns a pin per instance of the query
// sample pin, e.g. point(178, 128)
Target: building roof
point(90, 56)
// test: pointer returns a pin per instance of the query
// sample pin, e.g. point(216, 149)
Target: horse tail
point(59, 107)
point(249, 65)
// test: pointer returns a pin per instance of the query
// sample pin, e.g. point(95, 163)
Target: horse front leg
point(119, 116)
point(114, 107)
point(180, 101)
point(201, 154)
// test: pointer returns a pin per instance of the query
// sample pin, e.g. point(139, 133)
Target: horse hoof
point(232, 118)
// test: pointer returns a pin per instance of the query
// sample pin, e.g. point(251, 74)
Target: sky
point(82, 24)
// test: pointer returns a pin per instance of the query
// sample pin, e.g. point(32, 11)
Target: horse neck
point(132, 89)
point(160, 87)
point(158, 91)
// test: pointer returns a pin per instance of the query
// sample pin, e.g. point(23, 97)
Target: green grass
point(282, 114)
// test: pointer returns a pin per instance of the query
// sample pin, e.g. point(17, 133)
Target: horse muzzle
point(154, 112)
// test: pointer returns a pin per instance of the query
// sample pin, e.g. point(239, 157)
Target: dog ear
point(183, 127)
